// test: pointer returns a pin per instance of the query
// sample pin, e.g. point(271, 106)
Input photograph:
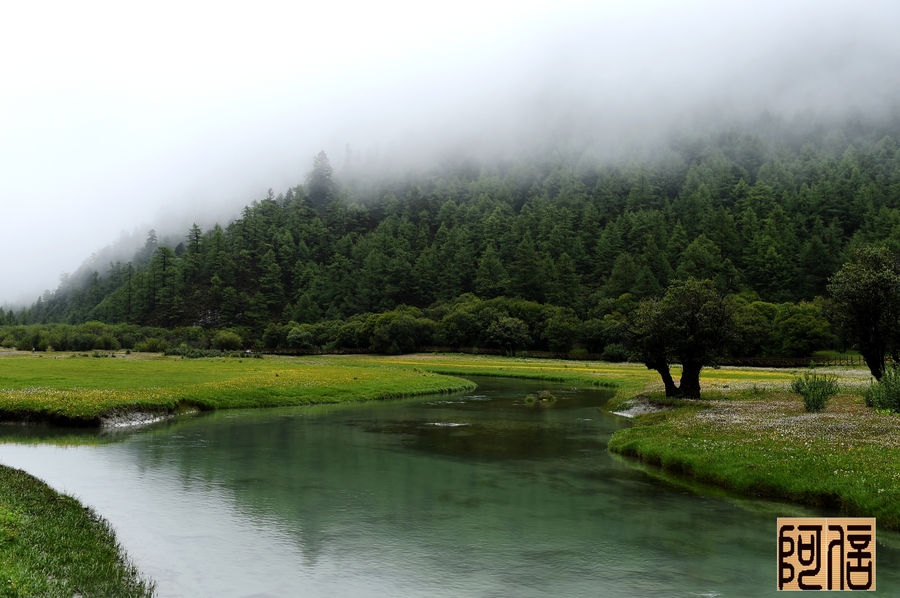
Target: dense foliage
point(692, 322)
point(510, 325)
point(768, 214)
point(866, 305)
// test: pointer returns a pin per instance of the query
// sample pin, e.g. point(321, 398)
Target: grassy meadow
point(69, 388)
point(624, 378)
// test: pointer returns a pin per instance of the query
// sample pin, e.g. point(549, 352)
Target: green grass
point(76, 390)
point(764, 443)
point(52, 546)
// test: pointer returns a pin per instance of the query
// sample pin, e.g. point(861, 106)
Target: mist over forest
point(623, 148)
point(548, 251)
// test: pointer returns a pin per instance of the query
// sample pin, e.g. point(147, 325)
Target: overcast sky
point(121, 116)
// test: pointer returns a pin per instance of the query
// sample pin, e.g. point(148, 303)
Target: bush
point(301, 336)
point(151, 345)
point(561, 330)
point(508, 333)
point(615, 352)
point(885, 394)
point(816, 389)
point(227, 341)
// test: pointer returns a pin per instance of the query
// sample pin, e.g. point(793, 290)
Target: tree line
point(509, 324)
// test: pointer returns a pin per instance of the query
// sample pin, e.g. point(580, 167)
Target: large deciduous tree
point(691, 325)
point(865, 305)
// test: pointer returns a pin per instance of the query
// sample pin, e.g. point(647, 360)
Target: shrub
point(816, 389)
point(151, 345)
point(301, 336)
point(615, 352)
point(885, 394)
point(561, 330)
point(508, 333)
point(227, 341)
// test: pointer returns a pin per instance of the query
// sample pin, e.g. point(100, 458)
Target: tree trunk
point(690, 380)
point(666, 375)
point(875, 361)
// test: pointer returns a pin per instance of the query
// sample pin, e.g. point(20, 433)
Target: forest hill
point(556, 254)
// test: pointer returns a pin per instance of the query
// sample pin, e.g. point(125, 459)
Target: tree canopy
point(865, 305)
point(692, 323)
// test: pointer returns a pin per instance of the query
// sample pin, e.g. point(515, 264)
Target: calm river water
point(473, 494)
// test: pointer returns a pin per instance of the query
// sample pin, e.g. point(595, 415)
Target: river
point(471, 494)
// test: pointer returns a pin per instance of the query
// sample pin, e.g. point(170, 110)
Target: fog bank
point(130, 117)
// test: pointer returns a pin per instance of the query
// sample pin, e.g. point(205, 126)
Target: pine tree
point(491, 278)
point(622, 278)
point(270, 284)
point(524, 272)
point(566, 288)
point(319, 185)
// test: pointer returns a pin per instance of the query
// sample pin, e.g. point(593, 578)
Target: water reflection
point(478, 494)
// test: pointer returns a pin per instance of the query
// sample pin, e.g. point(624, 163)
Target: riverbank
point(52, 546)
point(762, 442)
point(69, 389)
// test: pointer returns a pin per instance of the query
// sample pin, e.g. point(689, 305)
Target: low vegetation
point(763, 442)
point(625, 378)
point(51, 546)
point(71, 389)
point(815, 389)
point(885, 393)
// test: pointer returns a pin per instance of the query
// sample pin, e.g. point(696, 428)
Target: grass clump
point(884, 394)
point(50, 545)
point(545, 396)
point(815, 389)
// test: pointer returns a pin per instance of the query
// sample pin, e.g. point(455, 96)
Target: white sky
point(125, 115)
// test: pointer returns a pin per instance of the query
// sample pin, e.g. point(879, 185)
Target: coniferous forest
point(545, 252)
